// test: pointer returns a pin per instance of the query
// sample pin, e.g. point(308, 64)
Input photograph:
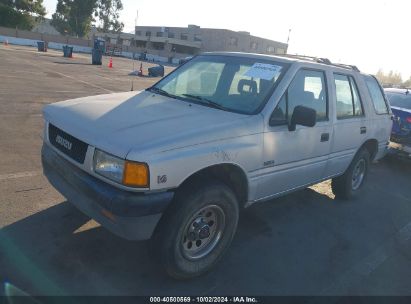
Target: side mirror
point(303, 116)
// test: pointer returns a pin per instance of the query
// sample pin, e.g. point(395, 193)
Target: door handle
point(325, 137)
point(363, 130)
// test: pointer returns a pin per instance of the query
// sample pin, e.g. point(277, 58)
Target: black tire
point(346, 186)
point(170, 243)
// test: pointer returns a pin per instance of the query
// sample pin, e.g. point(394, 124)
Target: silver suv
point(177, 162)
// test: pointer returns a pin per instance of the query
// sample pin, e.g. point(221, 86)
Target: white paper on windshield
point(263, 71)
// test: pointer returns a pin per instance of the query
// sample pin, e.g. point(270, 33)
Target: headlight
point(133, 174)
point(109, 166)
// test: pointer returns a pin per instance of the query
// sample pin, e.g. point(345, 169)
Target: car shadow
point(46, 254)
point(298, 244)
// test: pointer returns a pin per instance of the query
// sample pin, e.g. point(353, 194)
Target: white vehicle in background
point(176, 162)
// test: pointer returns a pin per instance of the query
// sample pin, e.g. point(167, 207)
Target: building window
point(159, 34)
point(138, 33)
point(184, 37)
point(158, 45)
point(234, 41)
point(270, 49)
point(197, 38)
point(171, 35)
point(148, 34)
point(140, 44)
point(253, 45)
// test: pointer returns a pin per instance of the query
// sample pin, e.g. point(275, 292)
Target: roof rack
point(323, 61)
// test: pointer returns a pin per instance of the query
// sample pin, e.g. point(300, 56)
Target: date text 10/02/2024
point(203, 300)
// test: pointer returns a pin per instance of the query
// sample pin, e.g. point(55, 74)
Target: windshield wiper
point(206, 101)
point(161, 92)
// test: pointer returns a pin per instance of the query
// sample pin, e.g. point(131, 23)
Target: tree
point(390, 79)
point(21, 13)
point(407, 84)
point(74, 17)
point(108, 13)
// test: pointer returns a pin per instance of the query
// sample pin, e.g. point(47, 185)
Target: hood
point(144, 122)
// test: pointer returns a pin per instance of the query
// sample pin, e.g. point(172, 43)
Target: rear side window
point(377, 96)
point(348, 100)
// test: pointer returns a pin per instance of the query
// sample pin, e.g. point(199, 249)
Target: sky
point(372, 35)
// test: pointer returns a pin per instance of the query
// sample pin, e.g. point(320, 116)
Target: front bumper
point(130, 215)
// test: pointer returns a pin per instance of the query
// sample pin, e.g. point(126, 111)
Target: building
point(170, 44)
point(194, 39)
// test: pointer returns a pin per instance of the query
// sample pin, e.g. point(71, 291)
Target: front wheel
point(351, 182)
point(197, 230)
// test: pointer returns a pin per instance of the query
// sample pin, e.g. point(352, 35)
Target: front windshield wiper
point(206, 101)
point(161, 92)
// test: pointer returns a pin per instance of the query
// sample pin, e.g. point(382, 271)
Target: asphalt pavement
point(306, 243)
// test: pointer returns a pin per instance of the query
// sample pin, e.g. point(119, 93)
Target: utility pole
point(289, 34)
point(288, 40)
point(135, 21)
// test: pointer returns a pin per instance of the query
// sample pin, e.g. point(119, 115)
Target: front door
point(293, 159)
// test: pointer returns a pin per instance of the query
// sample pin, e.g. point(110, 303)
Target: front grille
point(69, 145)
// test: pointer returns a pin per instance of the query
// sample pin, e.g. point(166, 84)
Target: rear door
point(350, 127)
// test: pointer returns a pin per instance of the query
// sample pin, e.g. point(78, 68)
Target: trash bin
point(68, 51)
point(97, 52)
point(96, 57)
point(42, 46)
point(157, 71)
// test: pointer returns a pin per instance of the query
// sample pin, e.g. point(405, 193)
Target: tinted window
point(399, 100)
point(377, 97)
point(347, 97)
point(307, 89)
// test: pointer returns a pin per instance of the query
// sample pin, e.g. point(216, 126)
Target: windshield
point(399, 100)
point(230, 83)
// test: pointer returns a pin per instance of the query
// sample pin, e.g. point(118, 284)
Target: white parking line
point(82, 81)
point(19, 175)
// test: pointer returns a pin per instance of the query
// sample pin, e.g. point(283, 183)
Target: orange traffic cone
point(140, 72)
point(110, 64)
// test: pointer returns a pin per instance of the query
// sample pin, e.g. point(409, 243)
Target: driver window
point(307, 89)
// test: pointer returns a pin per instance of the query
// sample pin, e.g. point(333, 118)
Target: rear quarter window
point(377, 95)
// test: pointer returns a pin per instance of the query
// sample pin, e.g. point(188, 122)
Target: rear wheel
point(197, 230)
point(351, 182)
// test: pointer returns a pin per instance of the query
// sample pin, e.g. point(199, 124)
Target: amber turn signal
point(136, 174)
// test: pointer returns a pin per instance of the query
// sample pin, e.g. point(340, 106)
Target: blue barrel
point(68, 51)
point(41, 46)
point(96, 57)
